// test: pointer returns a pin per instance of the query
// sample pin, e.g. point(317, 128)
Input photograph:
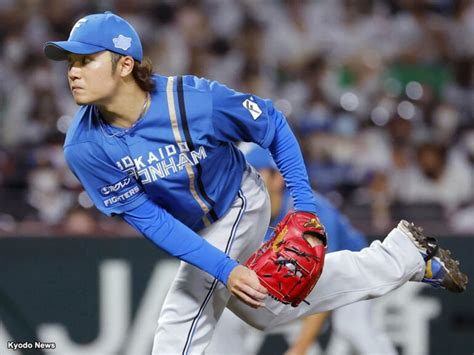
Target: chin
point(82, 100)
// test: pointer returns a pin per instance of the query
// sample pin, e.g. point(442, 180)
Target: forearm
point(179, 241)
point(287, 155)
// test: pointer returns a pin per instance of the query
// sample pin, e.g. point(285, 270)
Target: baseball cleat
point(441, 269)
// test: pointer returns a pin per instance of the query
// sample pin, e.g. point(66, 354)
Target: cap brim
point(59, 50)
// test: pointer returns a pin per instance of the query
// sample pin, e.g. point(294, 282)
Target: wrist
point(231, 266)
point(306, 207)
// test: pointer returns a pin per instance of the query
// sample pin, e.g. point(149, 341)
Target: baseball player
point(159, 152)
point(352, 322)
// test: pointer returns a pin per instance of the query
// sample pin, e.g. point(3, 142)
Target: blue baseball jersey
point(164, 155)
point(341, 234)
point(179, 161)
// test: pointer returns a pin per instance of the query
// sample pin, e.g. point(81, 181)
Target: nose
point(74, 71)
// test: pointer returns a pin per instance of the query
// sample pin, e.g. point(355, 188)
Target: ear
point(126, 65)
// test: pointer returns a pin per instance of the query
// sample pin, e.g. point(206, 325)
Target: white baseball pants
point(353, 323)
point(196, 300)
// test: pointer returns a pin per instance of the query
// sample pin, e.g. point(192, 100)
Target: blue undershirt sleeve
point(178, 240)
point(289, 160)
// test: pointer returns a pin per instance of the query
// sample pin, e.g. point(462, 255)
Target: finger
point(257, 286)
point(262, 289)
point(249, 296)
point(252, 293)
point(248, 300)
point(313, 240)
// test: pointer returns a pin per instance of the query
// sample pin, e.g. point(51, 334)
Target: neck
point(125, 107)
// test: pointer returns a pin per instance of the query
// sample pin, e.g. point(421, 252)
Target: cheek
point(100, 81)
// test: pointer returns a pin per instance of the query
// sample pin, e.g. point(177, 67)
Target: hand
point(313, 240)
point(243, 283)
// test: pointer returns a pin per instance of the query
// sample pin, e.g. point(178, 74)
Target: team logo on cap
point(122, 42)
point(77, 25)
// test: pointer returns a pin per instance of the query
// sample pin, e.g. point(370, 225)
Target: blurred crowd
point(380, 95)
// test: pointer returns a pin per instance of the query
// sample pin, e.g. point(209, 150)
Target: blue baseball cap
point(96, 33)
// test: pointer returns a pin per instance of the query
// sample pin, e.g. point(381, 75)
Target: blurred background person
point(364, 84)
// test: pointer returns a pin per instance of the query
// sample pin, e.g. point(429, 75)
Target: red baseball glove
point(288, 265)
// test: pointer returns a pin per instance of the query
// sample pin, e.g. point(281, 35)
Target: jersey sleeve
point(168, 233)
point(242, 117)
point(249, 118)
point(112, 190)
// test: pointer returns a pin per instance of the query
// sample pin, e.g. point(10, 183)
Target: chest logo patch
point(117, 187)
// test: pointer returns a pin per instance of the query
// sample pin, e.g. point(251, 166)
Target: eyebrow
point(78, 56)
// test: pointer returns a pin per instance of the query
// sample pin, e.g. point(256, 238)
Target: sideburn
point(114, 57)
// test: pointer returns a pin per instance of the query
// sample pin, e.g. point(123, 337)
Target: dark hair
point(142, 72)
